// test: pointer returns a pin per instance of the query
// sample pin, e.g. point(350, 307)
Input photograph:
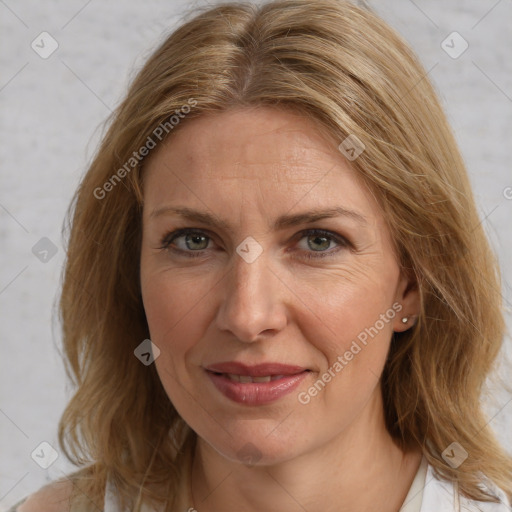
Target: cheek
point(344, 306)
point(349, 320)
point(173, 306)
point(170, 309)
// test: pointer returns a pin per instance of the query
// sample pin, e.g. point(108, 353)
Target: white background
point(51, 111)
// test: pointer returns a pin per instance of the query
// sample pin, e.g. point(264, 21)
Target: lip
point(256, 393)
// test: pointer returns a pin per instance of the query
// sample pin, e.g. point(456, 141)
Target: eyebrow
point(282, 222)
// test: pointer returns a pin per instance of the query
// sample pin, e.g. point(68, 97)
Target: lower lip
point(256, 393)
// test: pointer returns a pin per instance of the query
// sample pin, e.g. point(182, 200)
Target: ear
point(408, 296)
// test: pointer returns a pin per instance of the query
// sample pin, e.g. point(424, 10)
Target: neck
point(359, 468)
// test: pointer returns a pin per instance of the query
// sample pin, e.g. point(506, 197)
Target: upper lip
point(257, 370)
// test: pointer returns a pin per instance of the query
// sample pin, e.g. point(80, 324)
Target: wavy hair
point(342, 66)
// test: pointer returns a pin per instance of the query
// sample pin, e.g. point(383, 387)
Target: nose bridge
point(251, 302)
point(248, 277)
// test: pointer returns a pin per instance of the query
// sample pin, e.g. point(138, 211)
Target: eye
point(195, 242)
point(319, 240)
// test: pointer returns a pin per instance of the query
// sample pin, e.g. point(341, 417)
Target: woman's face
point(250, 289)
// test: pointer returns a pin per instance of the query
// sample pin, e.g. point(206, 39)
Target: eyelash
point(170, 237)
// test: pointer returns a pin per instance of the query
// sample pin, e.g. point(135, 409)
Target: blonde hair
point(342, 66)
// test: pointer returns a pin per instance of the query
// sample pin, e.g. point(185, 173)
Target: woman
point(278, 294)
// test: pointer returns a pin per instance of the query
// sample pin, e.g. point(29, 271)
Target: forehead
point(258, 156)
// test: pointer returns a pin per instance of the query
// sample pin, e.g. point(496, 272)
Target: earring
point(405, 320)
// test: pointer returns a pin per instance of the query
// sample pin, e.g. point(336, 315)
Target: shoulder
point(54, 497)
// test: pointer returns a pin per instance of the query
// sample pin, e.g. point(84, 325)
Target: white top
point(443, 496)
point(412, 502)
point(426, 494)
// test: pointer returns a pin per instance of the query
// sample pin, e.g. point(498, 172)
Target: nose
point(252, 308)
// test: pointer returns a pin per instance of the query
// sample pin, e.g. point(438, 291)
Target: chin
point(258, 448)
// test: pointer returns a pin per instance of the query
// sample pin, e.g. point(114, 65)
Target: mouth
point(247, 378)
point(269, 369)
point(257, 384)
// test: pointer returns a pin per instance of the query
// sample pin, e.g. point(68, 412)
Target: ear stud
point(405, 319)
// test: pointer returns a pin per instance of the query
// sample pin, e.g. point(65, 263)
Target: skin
point(249, 166)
